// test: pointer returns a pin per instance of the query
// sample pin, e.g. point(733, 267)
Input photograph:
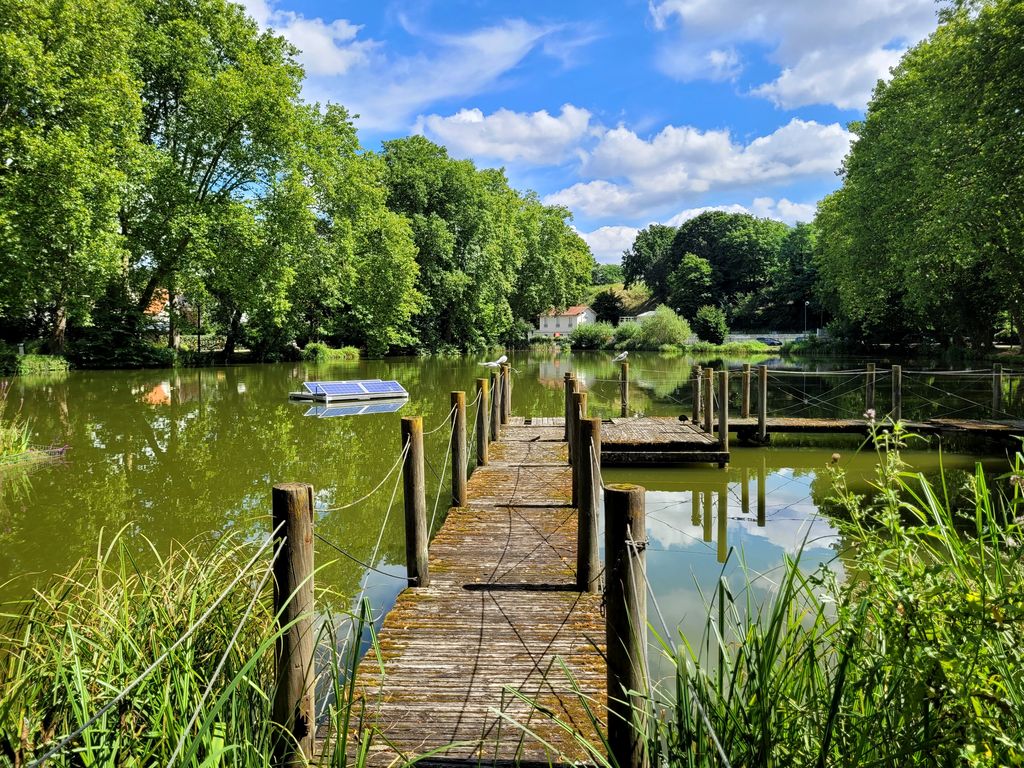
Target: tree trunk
point(58, 333)
point(173, 337)
point(233, 333)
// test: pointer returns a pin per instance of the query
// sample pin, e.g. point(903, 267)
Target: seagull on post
point(621, 357)
point(495, 363)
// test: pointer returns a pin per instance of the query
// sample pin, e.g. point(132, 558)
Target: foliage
point(606, 274)
point(916, 658)
point(924, 239)
point(626, 335)
point(608, 306)
point(14, 430)
point(710, 324)
point(591, 335)
point(690, 285)
point(662, 328)
point(318, 352)
point(647, 259)
point(115, 339)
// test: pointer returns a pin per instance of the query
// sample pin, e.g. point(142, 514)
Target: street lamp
point(807, 303)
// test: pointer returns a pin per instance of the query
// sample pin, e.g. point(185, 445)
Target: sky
point(628, 113)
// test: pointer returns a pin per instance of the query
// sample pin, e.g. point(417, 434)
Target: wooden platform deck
point(500, 616)
point(942, 427)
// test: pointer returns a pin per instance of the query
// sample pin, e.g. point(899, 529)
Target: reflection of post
point(745, 408)
point(459, 456)
point(572, 386)
point(568, 406)
point(624, 389)
point(506, 393)
point(416, 534)
point(723, 521)
point(723, 411)
point(709, 403)
point(897, 392)
point(762, 477)
point(997, 390)
point(496, 406)
point(483, 437)
point(869, 389)
point(695, 418)
point(579, 412)
point(588, 564)
point(762, 403)
point(695, 507)
point(745, 492)
point(707, 515)
point(626, 624)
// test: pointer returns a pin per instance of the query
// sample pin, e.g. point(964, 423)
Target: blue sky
point(626, 112)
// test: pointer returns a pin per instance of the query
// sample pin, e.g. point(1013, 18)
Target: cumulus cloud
point(537, 138)
point(608, 243)
point(828, 53)
point(681, 162)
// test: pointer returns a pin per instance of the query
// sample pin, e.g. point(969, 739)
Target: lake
point(190, 455)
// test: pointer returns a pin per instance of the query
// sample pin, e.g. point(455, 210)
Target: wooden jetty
point(473, 662)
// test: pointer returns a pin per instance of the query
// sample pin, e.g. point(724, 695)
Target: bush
point(661, 328)
point(608, 306)
point(626, 335)
point(591, 336)
point(318, 352)
point(34, 364)
point(710, 324)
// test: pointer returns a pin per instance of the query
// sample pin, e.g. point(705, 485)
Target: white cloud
point(608, 243)
point(692, 213)
point(683, 162)
point(783, 210)
point(537, 138)
point(828, 53)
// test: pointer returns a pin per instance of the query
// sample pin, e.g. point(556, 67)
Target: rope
point(398, 463)
point(159, 660)
point(448, 421)
point(355, 559)
point(440, 482)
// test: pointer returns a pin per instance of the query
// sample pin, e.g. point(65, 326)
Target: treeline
point(925, 239)
point(155, 150)
point(759, 272)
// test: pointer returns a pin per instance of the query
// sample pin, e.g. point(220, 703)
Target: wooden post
point(723, 523)
point(869, 389)
point(506, 393)
point(624, 389)
point(897, 392)
point(709, 401)
point(579, 412)
point(293, 708)
point(745, 407)
point(625, 537)
point(482, 422)
point(696, 396)
point(997, 390)
point(416, 534)
point(588, 563)
point(723, 410)
point(568, 405)
point(496, 406)
point(762, 403)
point(459, 452)
point(762, 479)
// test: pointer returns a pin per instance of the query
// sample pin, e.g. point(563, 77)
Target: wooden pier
point(473, 661)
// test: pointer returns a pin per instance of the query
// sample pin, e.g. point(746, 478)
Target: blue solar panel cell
point(354, 390)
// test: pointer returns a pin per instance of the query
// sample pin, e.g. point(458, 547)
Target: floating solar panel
point(363, 389)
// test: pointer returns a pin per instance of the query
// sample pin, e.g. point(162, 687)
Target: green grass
point(29, 365)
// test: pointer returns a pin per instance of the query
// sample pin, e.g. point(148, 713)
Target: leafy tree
point(690, 284)
point(663, 328)
point(710, 325)
point(608, 306)
point(591, 335)
point(607, 274)
point(647, 259)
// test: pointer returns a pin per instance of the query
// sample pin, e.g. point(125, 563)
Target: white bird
point(495, 363)
point(621, 357)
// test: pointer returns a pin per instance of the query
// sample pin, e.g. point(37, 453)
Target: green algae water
point(180, 457)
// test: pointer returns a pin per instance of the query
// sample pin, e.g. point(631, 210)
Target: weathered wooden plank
point(528, 454)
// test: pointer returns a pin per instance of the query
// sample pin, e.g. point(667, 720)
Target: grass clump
point(318, 352)
point(917, 659)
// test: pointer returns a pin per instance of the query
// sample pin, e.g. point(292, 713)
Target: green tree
point(608, 306)
point(690, 285)
point(607, 274)
point(710, 325)
point(648, 259)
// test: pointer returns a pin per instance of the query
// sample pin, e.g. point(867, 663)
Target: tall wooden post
point(723, 410)
point(506, 393)
point(997, 390)
point(709, 400)
point(723, 523)
point(579, 412)
point(762, 480)
point(696, 396)
point(496, 406)
point(483, 423)
point(869, 389)
point(745, 405)
point(293, 708)
point(625, 537)
point(624, 389)
point(588, 563)
point(762, 403)
point(568, 405)
point(459, 452)
point(897, 392)
point(417, 536)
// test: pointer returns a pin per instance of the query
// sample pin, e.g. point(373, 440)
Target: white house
point(554, 324)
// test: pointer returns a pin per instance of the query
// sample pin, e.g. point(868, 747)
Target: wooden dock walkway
point(500, 616)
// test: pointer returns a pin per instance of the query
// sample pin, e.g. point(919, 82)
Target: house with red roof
point(556, 323)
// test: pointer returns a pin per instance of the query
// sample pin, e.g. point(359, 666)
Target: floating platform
point(350, 391)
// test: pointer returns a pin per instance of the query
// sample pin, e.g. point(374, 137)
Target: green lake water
point(179, 455)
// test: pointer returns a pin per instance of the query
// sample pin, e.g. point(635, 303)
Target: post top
point(625, 487)
point(291, 487)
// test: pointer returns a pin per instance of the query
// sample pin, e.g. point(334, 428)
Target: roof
point(579, 309)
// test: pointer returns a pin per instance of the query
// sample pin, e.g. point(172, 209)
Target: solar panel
point(325, 387)
point(384, 387)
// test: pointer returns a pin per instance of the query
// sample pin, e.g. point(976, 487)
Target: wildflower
point(870, 414)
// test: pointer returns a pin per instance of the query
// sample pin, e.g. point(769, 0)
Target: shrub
point(626, 335)
point(318, 352)
point(591, 336)
point(661, 328)
point(710, 324)
point(33, 364)
point(608, 306)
